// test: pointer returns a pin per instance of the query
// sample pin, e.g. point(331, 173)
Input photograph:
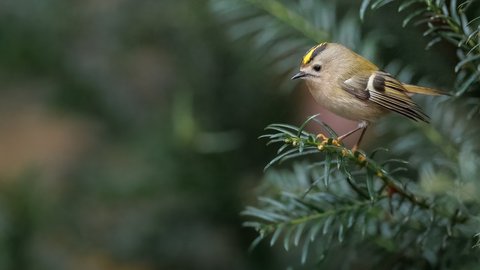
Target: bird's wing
point(381, 88)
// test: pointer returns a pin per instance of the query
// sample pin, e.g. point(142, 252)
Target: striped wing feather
point(382, 89)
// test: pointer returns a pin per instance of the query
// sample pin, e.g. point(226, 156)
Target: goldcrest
point(350, 86)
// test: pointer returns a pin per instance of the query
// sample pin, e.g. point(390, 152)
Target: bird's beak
point(299, 75)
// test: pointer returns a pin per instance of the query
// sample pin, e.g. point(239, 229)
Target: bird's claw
point(324, 140)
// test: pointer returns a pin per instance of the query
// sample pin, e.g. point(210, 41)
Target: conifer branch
point(445, 20)
point(333, 147)
point(350, 191)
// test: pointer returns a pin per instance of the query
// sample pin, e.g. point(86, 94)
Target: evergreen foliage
point(445, 21)
point(415, 206)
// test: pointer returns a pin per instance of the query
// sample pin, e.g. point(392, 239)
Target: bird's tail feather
point(414, 89)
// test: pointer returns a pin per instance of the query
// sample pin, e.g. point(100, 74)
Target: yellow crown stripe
point(309, 55)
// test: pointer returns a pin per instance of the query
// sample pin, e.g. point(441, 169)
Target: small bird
point(350, 86)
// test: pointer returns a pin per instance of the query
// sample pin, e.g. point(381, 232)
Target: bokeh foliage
point(150, 96)
point(129, 132)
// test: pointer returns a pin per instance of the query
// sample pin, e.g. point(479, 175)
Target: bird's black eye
point(317, 68)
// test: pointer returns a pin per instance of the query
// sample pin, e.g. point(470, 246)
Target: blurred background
point(128, 129)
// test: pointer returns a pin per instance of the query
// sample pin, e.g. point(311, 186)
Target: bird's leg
point(354, 148)
point(361, 125)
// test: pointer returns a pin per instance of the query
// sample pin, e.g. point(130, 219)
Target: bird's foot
point(355, 148)
point(359, 155)
point(324, 140)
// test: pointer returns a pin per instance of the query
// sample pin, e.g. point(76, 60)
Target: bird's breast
point(330, 96)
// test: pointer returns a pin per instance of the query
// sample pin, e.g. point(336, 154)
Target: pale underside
point(344, 105)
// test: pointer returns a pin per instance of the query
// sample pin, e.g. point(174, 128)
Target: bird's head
point(319, 60)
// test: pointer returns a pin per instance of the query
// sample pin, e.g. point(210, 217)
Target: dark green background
point(128, 131)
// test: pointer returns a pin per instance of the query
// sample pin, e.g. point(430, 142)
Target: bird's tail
point(415, 89)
